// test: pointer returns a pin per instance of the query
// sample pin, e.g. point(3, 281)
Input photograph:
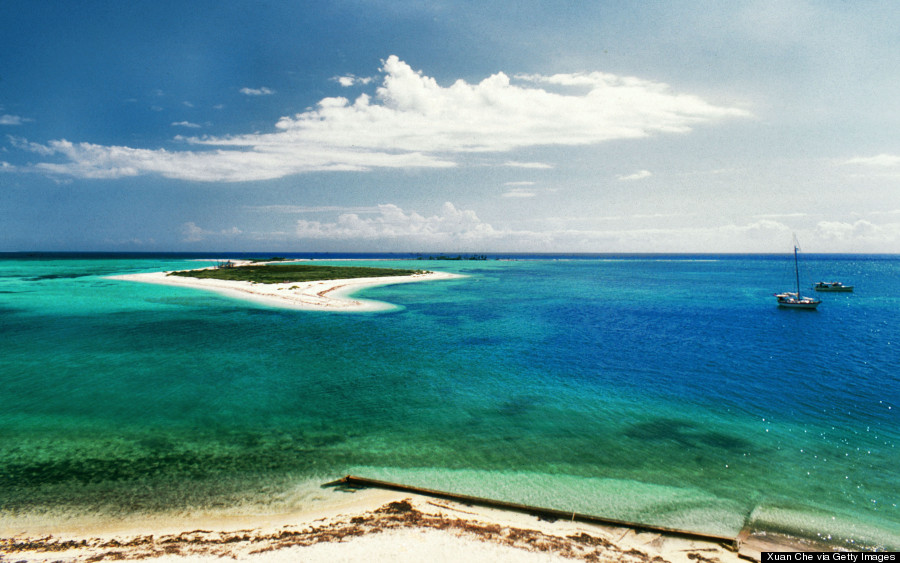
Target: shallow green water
point(670, 392)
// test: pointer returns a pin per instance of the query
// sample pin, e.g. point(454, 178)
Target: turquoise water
point(665, 390)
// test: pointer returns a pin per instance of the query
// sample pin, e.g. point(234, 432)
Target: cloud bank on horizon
point(410, 122)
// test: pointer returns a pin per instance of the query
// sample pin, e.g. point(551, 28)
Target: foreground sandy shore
point(370, 525)
point(326, 295)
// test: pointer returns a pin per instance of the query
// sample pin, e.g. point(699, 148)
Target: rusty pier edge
point(733, 543)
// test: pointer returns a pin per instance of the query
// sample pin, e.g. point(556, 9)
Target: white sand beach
point(324, 295)
point(370, 525)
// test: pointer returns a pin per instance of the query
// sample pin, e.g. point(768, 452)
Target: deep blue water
point(662, 389)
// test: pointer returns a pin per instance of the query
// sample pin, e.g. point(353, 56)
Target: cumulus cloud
point(411, 111)
point(392, 222)
point(350, 80)
point(257, 91)
point(192, 233)
point(412, 121)
point(639, 175)
point(860, 229)
point(759, 236)
point(453, 229)
point(187, 124)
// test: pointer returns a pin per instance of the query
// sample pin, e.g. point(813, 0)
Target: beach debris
point(394, 516)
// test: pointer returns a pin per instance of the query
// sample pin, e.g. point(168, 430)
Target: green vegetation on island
point(272, 259)
point(288, 273)
point(457, 257)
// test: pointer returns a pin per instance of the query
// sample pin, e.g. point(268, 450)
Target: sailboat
point(795, 300)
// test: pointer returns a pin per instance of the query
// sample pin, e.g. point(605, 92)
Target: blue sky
point(543, 126)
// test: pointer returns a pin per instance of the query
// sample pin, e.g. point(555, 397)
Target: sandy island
point(370, 525)
point(323, 295)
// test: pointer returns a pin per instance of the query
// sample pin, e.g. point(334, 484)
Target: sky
point(449, 126)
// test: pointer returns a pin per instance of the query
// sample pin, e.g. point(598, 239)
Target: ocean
point(666, 390)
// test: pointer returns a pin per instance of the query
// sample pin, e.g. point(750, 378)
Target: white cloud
point(411, 111)
point(185, 124)
point(257, 91)
point(639, 175)
point(760, 236)
point(192, 233)
point(12, 120)
point(350, 80)
point(454, 229)
point(97, 161)
point(536, 165)
point(24, 144)
point(858, 230)
point(411, 121)
point(392, 222)
point(519, 193)
point(882, 160)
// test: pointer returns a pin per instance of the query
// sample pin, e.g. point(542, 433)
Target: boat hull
point(832, 286)
point(795, 301)
point(799, 304)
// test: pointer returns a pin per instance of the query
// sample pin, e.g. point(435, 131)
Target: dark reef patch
point(685, 434)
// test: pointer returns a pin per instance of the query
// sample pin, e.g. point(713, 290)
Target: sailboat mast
point(797, 271)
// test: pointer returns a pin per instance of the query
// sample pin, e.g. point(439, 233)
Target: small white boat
point(832, 286)
point(795, 300)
